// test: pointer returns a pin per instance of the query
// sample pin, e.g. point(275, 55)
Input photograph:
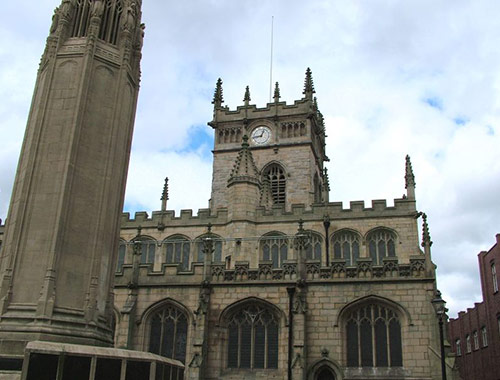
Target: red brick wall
point(482, 363)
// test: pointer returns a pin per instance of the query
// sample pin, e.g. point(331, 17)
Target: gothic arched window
point(122, 250)
point(168, 333)
point(148, 248)
point(313, 247)
point(345, 245)
point(373, 337)
point(275, 176)
point(217, 247)
point(177, 251)
point(274, 247)
point(253, 338)
point(381, 243)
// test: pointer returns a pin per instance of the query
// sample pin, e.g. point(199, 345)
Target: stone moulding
point(391, 269)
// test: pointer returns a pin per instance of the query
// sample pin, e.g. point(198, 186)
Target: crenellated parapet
point(335, 210)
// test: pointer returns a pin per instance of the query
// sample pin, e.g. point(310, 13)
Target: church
point(272, 281)
point(274, 278)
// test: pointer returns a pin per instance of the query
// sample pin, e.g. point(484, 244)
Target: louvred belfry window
point(168, 334)
point(275, 176)
point(373, 337)
point(110, 19)
point(253, 338)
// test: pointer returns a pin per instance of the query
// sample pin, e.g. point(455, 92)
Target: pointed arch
point(218, 242)
point(381, 242)
point(148, 248)
point(373, 298)
point(165, 329)
point(275, 174)
point(122, 254)
point(346, 245)
point(314, 246)
point(373, 333)
point(324, 364)
point(177, 250)
point(274, 247)
point(252, 327)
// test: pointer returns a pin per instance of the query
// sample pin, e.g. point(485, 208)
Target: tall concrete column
point(61, 237)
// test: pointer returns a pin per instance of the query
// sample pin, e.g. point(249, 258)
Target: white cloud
point(374, 64)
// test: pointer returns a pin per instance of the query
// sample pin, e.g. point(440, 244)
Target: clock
point(261, 135)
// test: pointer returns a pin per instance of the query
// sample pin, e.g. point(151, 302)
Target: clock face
point(261, 135)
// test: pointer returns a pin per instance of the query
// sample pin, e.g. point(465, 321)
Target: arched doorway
point(325, 373)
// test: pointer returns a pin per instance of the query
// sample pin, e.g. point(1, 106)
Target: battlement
point(248, 113)
point(335, 210)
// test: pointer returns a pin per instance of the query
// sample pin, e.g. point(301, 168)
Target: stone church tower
point(58, 251)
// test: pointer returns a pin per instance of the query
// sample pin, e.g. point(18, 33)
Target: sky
point(417, 77)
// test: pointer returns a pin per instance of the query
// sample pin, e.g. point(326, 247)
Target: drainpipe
point(326, 224)
point(291, 292)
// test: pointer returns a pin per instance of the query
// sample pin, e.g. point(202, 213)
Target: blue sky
point(392, 78)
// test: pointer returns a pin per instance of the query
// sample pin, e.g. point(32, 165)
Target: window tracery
point(217, 247)
point(274, 247)
point(168, 333)
point(345, 245)
point(177, 249)
point(373, 337)
point(253, 338)
point(148, 250)
point(313, 247)
point(381, 243)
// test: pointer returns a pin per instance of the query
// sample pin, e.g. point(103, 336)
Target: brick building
point(475, 334)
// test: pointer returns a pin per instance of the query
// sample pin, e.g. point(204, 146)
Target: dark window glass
point(168, 334)
point(76, 368)
point(346, 246)
point(379, 343)
point(381, 243)
point(246, 345)
point(148, 248)
point(395, 343)
point(232, 359)
point(253, 338)
point(313, 247)
point(366, 344)
point(122, 248)
point(177, 251)
point(42, 367)
point(217, 253)
point(352, 344)
point(108, 369)
point(137, 370)
point(274, 248)
point(259, 346)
